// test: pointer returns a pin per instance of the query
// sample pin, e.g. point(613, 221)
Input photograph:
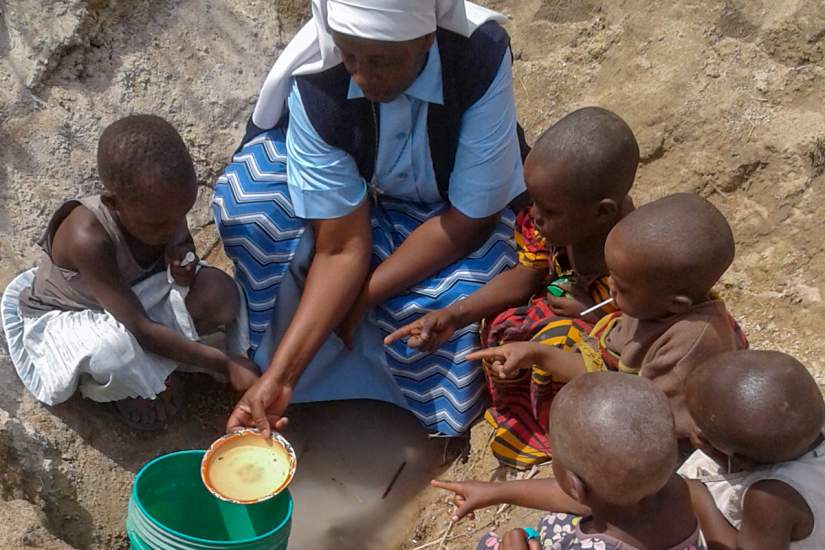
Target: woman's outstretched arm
point(336, 274)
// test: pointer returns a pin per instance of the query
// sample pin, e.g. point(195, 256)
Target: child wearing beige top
point(758, 478)
point(118, 300)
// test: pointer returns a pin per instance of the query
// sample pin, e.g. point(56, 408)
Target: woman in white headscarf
point(396, 121)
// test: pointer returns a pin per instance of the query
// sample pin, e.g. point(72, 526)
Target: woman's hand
point(262, 407)
point(427, 333)
point(336, 274)
point(469, 495)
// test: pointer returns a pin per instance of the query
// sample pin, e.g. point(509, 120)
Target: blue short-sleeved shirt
point(324, 182)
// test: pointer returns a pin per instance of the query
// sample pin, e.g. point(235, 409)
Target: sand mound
point(726, 98)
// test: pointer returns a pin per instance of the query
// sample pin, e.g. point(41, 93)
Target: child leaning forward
point(99, 313)
point(664, 258)
point(578, 176)
point(615, 488)
point(758, 480)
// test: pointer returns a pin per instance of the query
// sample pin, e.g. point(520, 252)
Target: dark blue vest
point(468, 67)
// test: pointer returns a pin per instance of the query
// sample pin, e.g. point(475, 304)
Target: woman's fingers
point(260, 418)
point(240, 418)
point(278, 422)
point(412, 329)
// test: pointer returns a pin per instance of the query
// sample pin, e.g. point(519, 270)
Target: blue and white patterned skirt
point(271, 249)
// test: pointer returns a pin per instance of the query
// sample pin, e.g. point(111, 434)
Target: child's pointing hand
point(509, 359)
point(469, 495)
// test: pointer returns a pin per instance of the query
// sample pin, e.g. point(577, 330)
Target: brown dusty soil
point(726, 98)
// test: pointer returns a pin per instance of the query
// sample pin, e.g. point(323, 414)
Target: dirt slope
point(726, 98)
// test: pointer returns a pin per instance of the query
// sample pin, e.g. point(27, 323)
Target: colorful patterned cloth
point(261, 234)
point(520, 406)
point(563, 532)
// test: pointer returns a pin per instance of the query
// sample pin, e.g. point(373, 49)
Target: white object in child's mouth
point(594, 308)
point(188, 259)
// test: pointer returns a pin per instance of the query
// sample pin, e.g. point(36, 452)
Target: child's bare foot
point(149, 415)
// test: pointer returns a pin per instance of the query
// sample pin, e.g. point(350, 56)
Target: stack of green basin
point(170, 509)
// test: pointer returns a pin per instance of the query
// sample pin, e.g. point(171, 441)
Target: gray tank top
point(55, 287)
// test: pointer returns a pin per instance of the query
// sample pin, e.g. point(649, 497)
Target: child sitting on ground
point(99, 312)
point(614, 454)
point(761, 467)
point(664, 259)
point(578, 176)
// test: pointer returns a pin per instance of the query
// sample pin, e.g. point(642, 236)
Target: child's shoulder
point(707, 328)
point(78, 235)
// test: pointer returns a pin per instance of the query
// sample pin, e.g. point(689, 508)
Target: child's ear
point(627, 206)
point(578, 490)
point(680, 304)
point(607, 209)
point(697, 439)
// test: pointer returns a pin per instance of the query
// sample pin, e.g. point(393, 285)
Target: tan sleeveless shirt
point(805, 475)
point(55, 287)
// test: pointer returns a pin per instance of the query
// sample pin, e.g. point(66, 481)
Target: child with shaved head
point(664, 259)
point(118, 300)
point(578, 176)
point(760, 469)
point(614, 457)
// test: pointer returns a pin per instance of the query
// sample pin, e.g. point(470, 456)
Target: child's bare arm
point(539, 494)
point(85, 244)
point(511, 358)
point(719, 534)
point(511, 288)
point(773, 514)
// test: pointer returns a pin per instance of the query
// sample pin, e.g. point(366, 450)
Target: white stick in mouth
point(590, 310)
point(188, 259)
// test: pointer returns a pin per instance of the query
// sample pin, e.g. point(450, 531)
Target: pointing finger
point(453, 486)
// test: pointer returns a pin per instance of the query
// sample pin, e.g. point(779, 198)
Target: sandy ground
point(726, 99)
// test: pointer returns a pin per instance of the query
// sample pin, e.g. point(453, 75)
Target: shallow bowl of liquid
point(245, 468)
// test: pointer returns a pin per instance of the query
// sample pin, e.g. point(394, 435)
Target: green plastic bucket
point(170, 509)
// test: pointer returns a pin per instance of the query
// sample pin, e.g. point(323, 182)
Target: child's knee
point(213, 300)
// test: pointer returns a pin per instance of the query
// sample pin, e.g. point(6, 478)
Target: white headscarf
point(313, 51)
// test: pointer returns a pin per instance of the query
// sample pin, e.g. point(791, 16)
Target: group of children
point(559, 371)
point(604, 349)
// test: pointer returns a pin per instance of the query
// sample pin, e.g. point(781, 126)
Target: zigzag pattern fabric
point(257, 224)
point(261, 234)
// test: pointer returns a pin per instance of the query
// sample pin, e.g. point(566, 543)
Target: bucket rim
point(190, 538)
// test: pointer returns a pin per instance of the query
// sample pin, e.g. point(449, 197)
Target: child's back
point(56, 287)
point(615, 452)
